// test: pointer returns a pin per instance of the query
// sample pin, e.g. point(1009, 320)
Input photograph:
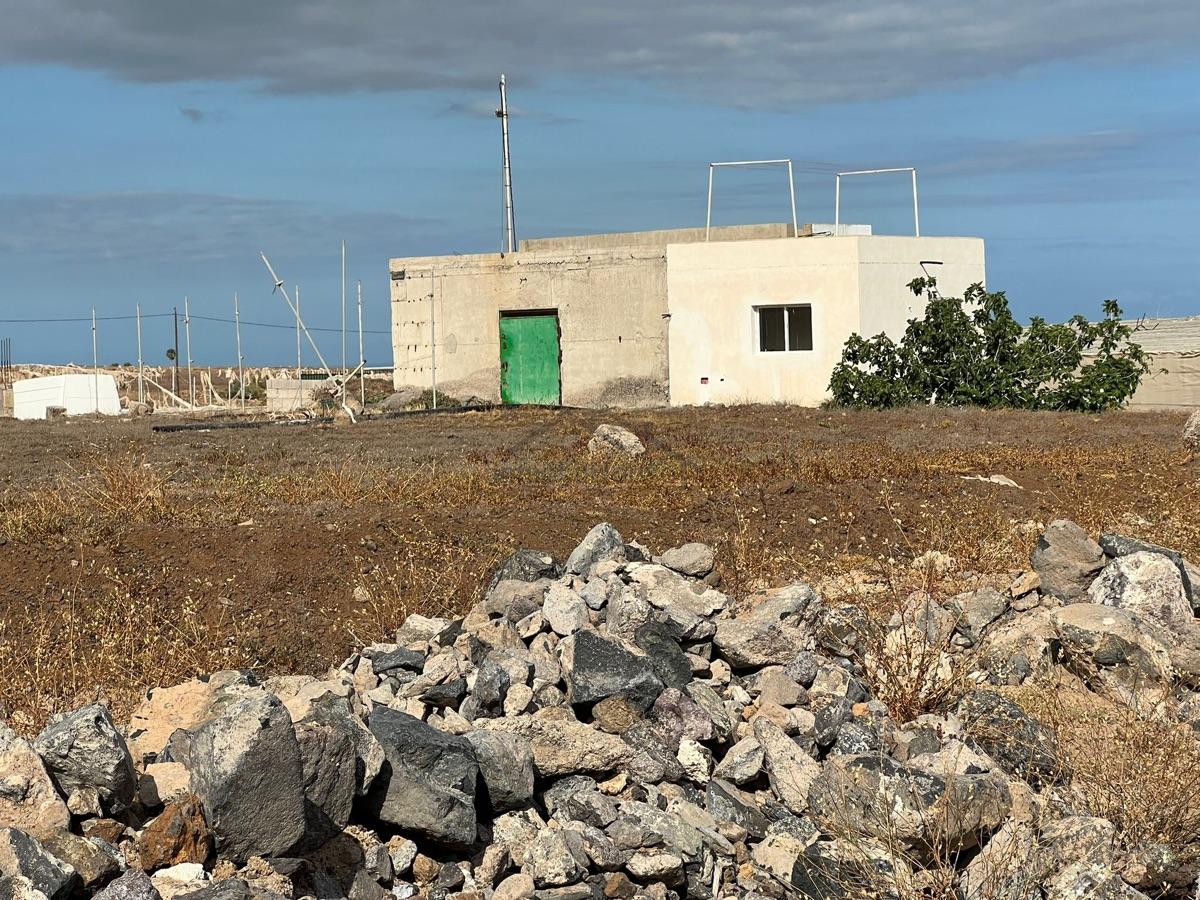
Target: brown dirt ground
point(256, 540)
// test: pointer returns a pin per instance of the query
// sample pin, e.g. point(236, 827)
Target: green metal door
point(529, 370)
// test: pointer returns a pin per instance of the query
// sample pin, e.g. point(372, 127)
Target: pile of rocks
point(615, 726)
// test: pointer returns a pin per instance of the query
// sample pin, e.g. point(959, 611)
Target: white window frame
point(786, 332)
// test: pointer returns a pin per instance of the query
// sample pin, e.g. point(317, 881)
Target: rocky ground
point(615, 725)
point(284, 549)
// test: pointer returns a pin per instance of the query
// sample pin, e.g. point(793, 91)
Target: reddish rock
point(178, 835)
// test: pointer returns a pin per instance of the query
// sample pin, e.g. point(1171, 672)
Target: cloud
point(476, 109)
point(741, 52)
point(137, 226)
point(196, 116)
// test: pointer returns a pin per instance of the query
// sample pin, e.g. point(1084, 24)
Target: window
point(784, 328)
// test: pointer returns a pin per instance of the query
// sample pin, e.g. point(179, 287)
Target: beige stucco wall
point(888, 264)
point(854, 284)
point(610, 303)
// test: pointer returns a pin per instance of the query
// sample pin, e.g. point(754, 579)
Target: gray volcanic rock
point(596, 668)
point(1067, 560)
point(247, 771)
point(428, 785)
point(83, 751)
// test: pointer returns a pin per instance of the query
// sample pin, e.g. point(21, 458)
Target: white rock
point(564, 610)
point(1149, 586)
point(696, 760)
point(615, 439)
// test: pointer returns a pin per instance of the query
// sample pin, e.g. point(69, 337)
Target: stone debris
point(615, 439)
point(615, 726)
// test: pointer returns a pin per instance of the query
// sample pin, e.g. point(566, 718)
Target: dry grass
point(778, 500)
point(112, 642)
point(107, 493)
point(1137, 767)
point(427, 575)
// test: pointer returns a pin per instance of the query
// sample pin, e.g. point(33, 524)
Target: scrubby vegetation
point(971, 351)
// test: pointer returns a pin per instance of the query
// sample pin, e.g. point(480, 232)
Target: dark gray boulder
point(246, 769)
point(1067, 560)
point(21, 854)
point(596, 668)
point(83, 752)
point(506, 764)
point(133, 885)
point(328, 760)
point(526, 565)
point(667, 659)
point(601, 543)
point(428, 782)
point(1021, 744)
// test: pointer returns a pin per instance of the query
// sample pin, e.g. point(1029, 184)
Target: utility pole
point(433, 334)
point(362, 360)
point(343, 306)
point(510, 220)
point(141, 364)
point(298, 362)
point(175, 371)
point(95, 367)
point(187, 336)
point(237, 331)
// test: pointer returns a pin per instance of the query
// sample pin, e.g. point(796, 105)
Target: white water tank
point(79, 394)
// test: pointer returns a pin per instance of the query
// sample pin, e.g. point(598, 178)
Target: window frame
point(787, 348)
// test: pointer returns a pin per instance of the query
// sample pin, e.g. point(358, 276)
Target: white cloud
point(741, 52)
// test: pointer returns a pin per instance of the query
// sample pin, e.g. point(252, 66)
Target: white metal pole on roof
point(837, 203)
point(792, 191)
point(708, 215)
point(362, 359)
point(837, 193)
point(141, 364)
point(237, 331)
point(343, 306)
point(916, 205)
point(187, 337)
point(751, 162)
point(95, 366)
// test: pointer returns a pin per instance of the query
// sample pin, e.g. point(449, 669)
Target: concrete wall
point(657, 239)
point(610, 303)
point(289, 394)
point(713, 290)
point(854, 284)
point(888, 264)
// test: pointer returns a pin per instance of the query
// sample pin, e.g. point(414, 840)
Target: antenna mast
point(510, 221)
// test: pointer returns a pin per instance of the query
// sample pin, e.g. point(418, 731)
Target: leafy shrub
point(971, 351)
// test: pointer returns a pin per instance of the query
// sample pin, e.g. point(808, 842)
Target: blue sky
point(153, 147)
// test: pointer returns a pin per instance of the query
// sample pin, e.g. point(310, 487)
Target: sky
point(152, 148)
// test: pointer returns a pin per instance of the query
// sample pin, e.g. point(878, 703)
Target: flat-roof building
point(754, 313)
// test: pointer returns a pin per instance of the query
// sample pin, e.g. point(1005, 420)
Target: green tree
point(971, 351)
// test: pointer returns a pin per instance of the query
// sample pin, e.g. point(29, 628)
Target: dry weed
point(430, 575)
point(1137, 767)
point(111, 640)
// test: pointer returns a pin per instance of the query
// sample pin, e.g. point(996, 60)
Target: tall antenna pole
point(510, 221)
point(187, 336)
point(95, 366)
point(175, 371)
point(433, 334)
point(362, 360)
point(141, 364)
point(298, 363)
point(343, 306)
point(237, 331)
